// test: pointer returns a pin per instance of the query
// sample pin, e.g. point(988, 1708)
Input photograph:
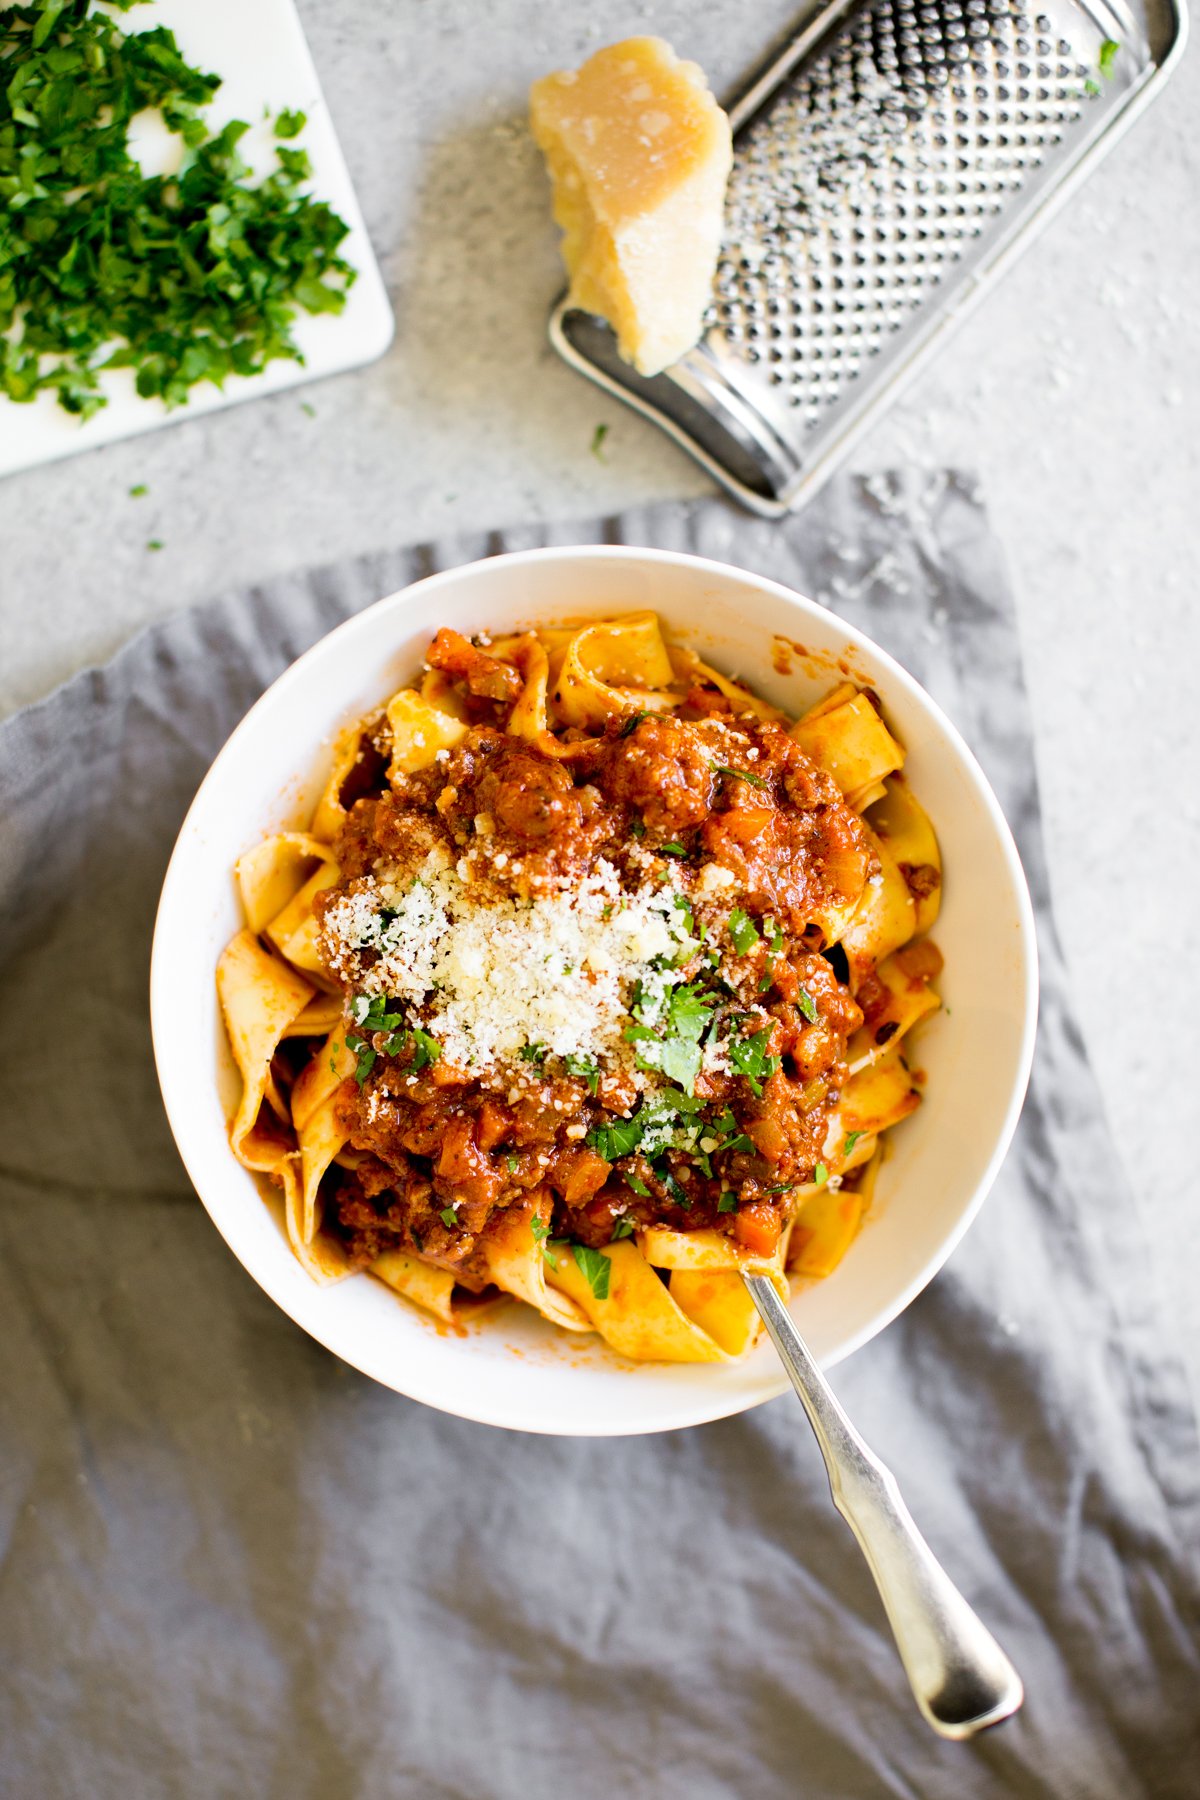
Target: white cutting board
point(258, 49)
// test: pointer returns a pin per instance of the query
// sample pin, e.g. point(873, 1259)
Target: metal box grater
point(888, 165)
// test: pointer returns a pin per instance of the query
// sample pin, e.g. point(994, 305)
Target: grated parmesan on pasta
point(487, 978)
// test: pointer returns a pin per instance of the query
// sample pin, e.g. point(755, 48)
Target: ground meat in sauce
point(438, 1153)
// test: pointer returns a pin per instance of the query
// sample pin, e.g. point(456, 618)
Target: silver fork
point(960, 1677)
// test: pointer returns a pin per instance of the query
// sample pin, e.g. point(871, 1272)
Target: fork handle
point(960, 1677)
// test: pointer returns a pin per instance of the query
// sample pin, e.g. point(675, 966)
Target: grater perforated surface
point(882, 166)
point(874, 171)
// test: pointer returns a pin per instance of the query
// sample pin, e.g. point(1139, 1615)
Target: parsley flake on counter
point(182, 278)
point(595, 1268)
point(290, 124)
point(598, 437)
point(1108, 56)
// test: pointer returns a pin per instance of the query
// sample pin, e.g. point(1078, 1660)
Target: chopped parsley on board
point(182, 278)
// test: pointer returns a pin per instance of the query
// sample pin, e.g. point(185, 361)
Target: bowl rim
point(416, 1386)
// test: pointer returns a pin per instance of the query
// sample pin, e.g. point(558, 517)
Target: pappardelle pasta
point(586, 985)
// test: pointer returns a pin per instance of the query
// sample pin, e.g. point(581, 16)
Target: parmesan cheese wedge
point(639, 153)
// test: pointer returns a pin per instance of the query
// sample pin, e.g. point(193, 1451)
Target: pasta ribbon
point(314, 1115)
point(294, 930)
point(850, 742)
point(884, 920)
point(272, 874)
point(418, 732)
point(719, 1303)
point(689, 669)
point(426, 1286)
point(660, 1294)
point(259, 996)
point(880, 1095)
point(901, 823)
point(910, 999)
point(637, 1316)
point(517, 1265)
point(350, 746)
point(667, 1249)
point(618, 666)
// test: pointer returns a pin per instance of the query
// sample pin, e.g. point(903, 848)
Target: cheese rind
point(639, 153)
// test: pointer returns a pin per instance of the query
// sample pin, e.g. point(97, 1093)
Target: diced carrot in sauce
point(756, 1228)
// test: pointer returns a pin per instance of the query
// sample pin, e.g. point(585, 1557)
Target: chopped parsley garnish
point(638, 1187)
point(852, 1138)
point(372, 1012)
point(617, 1139)
point(671, 849)
point(365, 1054)
point(541, 1235)
point(807, 1005)
point(632, 724)
point(674, 1047)
point(820, 1174)
point(739, 775)
point(749, 1056)
point(727, 1202)
point(290, 124)
point(775, 940)
point(426, 1049)
point(375, 1012)
point(636, 828)
point(585, 1070)
point(622, 1228)
point(682, 904)
point(181, 278)
point(513, 1161)
point(449, 1217)
point(743, 931)
point(678, 1194)
point(595, 1268)
point(534, 1053)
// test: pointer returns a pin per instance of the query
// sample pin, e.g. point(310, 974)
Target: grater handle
point(960, 1677)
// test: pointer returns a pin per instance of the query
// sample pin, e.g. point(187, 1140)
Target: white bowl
point(510, 1368)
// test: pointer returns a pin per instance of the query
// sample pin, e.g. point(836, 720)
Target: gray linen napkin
point(231, 1566)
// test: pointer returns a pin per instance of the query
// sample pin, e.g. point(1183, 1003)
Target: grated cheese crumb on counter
point(488, 979)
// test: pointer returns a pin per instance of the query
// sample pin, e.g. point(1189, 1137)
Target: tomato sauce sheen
point(785, 847)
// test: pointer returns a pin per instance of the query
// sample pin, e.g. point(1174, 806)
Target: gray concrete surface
point(1074, 391)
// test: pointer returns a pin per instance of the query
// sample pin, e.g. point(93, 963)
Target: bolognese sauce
point(693, 857)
